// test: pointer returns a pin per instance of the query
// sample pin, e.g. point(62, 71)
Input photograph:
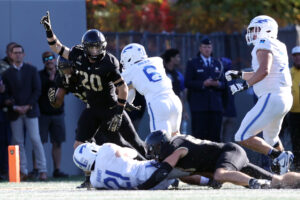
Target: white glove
point(238, 87)
point(233, 74)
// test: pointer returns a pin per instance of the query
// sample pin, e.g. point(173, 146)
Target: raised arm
point(53, 41)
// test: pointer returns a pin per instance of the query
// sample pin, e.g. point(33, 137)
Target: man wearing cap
point(205, 84)
point(294, 114)
point(52, 119)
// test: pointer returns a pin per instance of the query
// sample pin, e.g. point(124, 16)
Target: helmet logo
point(262, 21)
point(130, 47)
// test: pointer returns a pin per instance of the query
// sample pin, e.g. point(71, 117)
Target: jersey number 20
point(92, 81)
point(151, 73)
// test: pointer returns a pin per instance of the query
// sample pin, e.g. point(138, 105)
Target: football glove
point(115, 123)
point(238, 87)
point(46, 21)
point(233, 74)
point(130, 107)
point(51, 95)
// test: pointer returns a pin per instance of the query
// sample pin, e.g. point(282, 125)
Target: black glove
point(130, 107)
point(46, 21)
point(115, 123)
point(51, 95)
point(238, 87)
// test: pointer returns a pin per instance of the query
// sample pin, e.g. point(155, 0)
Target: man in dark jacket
point(205, 82)
point(51, 119)
point(23, 88)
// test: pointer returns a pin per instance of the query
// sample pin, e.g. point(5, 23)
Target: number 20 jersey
point(148, 77)
point(97, 78)
point(113, 172)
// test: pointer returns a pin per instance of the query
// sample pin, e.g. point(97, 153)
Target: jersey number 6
point(151, 73)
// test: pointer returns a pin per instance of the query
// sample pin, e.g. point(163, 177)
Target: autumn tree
point(193, 16)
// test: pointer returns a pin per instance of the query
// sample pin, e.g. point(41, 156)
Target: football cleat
point(284, 161)
point(212, 183)
point(259, 184)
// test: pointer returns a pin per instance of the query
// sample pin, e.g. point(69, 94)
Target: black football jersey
point(72, 85)
point(97, 78)
point(202, 154)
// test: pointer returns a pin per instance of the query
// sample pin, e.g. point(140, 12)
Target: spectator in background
point(23, 89)
point(4, 136)
point(204, 80)
point(6, 62)
point(171, 59)
point(51, 119)
point(294, 114)
point(5, 131)
point(229, 121)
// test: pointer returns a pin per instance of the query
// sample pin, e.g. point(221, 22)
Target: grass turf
point(66, 189)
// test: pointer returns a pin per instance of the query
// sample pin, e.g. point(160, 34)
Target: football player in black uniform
point(69, 82)
point(225, 162)
point(99, 75)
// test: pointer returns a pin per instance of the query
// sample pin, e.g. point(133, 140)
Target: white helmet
point(132, 53)
point(261, 26)
point(84, 155)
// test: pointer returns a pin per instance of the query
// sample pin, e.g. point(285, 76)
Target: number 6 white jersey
point(148, 77)
point(115, 171)
point(279, 78)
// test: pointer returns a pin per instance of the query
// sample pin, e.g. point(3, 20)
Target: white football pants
point(165, 113)
point(266, 116)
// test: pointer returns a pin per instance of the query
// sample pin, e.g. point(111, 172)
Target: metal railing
point(232, 46)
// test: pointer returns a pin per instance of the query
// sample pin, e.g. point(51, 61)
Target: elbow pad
point(159, 175)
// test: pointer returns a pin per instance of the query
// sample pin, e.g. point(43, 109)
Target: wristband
point(49, 33)
point(52, 42)
point(121, 101)
point(119, 83)
point(61, 52)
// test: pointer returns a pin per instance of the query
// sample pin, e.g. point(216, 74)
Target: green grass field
point(66, 189)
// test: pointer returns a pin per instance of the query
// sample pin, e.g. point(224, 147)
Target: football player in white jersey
point(271, 81)
point(148, 77)
point(114, 167)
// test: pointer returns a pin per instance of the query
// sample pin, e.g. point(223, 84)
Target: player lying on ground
point(225, 162)
point(115, 167)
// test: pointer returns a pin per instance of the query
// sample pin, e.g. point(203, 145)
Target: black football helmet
point(94, 44)
point(63, 64)
point(154, 141)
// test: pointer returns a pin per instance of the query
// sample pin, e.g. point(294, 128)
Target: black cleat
point(212, 183)
point(86, 183)
point(59, 174)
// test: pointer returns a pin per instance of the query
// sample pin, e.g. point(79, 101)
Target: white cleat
point(284, 161)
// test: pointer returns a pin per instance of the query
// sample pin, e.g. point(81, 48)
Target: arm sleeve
point(159, 175)
point(189, 81)
point(36, 87)
point(114, 74)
